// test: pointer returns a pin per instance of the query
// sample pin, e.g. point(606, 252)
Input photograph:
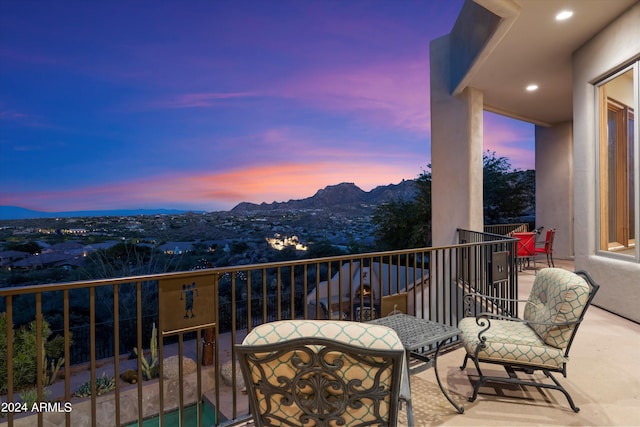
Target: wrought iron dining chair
point(547, 246)
point(540, 341)
point(324, 372)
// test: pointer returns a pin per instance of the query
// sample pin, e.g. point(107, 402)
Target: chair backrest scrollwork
point(307, 379)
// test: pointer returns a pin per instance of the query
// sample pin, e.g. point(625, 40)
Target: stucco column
point(456, 152)
point(554, 185)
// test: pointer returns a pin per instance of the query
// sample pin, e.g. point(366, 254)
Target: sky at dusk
point(204, 104)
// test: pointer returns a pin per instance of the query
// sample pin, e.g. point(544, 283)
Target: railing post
point(207, 346)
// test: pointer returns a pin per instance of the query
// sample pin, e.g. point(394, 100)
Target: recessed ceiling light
point(532, 88)
point(563, 15)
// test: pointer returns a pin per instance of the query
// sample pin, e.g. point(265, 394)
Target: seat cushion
point(511, 342)
point(354, 333)
point(557, 296)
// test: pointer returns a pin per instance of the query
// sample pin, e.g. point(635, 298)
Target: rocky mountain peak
point(345, 196)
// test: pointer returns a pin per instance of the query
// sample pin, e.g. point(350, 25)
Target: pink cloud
point(203, 99)
point(395, 93)
point(11, 115)
point(510, 138)
point(21, 119)
point(391, 92)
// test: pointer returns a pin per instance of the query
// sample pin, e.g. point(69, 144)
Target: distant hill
point(15, 212)
point(344, 197)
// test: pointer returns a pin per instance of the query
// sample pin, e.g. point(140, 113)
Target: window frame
point(601, 117)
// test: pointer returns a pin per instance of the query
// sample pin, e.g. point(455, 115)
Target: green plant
point(24, 355)
point(150, 367)
point(30, 396)
point(104, 384)
point(50, 370)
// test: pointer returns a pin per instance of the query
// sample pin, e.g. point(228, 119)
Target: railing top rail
point(506, 228)
point(494, 237)
point(17, 290)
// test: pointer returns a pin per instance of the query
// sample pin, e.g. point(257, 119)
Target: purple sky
point(205, 104)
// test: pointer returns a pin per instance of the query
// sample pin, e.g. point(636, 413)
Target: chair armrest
point(487, 315)
point(489, 297)
point(471, 300)
point(484, 321)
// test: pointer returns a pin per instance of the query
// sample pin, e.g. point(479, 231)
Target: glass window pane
point(617, 163)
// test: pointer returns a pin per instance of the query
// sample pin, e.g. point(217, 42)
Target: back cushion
point(557, 296)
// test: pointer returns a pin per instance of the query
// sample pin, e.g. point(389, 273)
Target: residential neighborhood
point(66, 242)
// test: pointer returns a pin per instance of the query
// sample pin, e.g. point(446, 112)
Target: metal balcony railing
point(505, 229)
point(200, 315)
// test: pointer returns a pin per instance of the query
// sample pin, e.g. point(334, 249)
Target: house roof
point(520, 43)
point(176, 246)
point(42, 260)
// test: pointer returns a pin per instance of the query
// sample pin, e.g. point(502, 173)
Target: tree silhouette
point(508, 194)
point(404, 224)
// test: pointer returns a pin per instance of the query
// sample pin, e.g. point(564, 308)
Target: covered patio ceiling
point(527, 45)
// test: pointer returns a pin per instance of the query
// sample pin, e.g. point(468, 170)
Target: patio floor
point(603, 378)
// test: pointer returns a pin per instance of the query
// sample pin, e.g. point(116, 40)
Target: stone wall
point(105, 405)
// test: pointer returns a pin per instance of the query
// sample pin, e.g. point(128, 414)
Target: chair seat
point(510, 341)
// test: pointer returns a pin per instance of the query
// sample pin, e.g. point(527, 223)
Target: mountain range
point(16, 212)
point(344, 197)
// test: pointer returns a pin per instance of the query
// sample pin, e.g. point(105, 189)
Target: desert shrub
point(30, 396)
point(104, 384)
point(24, 357)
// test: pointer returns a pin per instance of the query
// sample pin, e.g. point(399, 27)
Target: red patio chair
point(526, 248)
point(547, 249)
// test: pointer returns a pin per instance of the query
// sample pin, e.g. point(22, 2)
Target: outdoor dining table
point(416, 333)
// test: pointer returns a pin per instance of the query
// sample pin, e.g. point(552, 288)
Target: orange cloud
point(218, 191)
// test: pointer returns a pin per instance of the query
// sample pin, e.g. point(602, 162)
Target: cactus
point(50, 370)
point(150, 367)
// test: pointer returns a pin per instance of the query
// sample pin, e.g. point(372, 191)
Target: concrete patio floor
point(603, 377)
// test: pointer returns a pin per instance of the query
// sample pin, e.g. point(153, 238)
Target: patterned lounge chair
point(540, 340)
point(323, 373)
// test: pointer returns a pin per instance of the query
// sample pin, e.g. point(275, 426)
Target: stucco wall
point(554, 189)
point(456, 152)
point(614, 47)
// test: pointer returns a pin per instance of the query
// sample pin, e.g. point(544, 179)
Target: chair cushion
point(354, 333)
point(512, 342)
point(557, 296)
